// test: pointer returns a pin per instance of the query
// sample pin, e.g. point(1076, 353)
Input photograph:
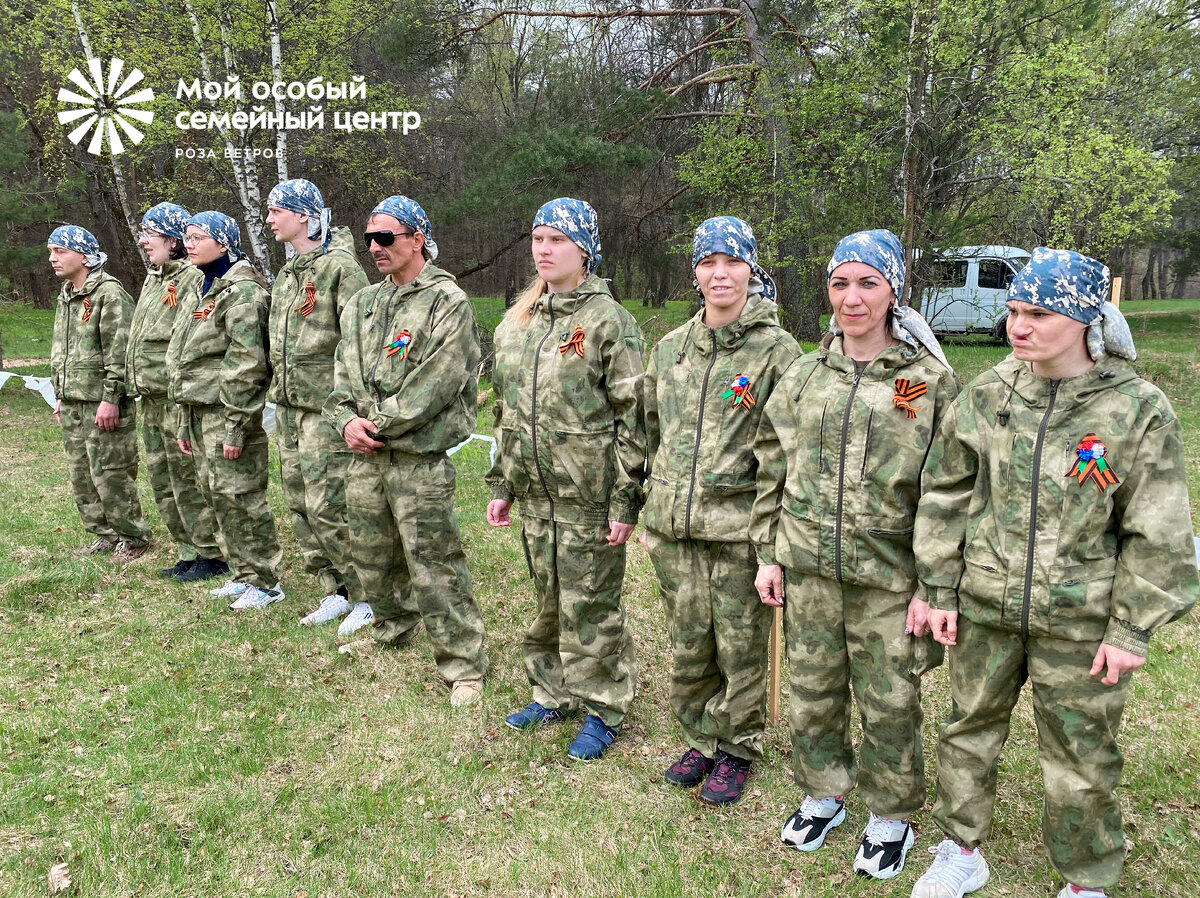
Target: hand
point(358, 435)
point(57, 411)
point(769, 584)
point(917, 622)
point(1118, 661)
point(107, 416)
point(618, 532)
point(185, 446)
point(497, 513)
point(944, 626)
point(231, 452)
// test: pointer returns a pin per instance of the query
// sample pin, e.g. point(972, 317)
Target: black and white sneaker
point(884, 845)
point(807, 828)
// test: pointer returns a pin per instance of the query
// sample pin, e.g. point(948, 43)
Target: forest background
point(1065, 122)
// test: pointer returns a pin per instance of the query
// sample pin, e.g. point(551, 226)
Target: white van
point(968, 289)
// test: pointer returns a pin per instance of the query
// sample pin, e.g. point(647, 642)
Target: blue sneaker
point(593, 740)
point(533, 715)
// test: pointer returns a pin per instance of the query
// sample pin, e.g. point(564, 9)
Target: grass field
point(160, 745)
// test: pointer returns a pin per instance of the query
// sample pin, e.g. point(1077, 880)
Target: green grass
point(25, 332)
point(161, 745)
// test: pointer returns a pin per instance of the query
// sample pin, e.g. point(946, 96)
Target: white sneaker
point(807, 828)
point(1073, 891)
point(361, 616)
point(884, 844)
point(253, 597)
point(331, 608)
point(231, 588)
point(952, 873)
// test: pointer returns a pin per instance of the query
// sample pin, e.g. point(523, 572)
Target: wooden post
point(776, 661)
point(1115, 295)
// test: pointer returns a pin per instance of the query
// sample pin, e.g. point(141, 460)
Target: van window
point(948, 273)
point(994, 274)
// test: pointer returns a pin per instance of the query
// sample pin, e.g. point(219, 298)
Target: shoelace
point(878, 830)
point(812, 807)
point(943, 869)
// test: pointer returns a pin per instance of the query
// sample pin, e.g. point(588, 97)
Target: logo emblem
point(1092, 464)
point(106, 103)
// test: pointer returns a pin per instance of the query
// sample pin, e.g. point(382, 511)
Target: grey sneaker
point(98, 547)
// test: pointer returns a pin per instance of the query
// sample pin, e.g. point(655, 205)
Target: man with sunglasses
point(307, 299)
point(405, 392)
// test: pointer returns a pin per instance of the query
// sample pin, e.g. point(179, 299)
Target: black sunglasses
point(383, 238)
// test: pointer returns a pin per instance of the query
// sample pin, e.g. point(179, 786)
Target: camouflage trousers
point(1077, 721)
point(175, 484)
point(579, 649)
point(313, 460)
point(720, 634)
point(844, 639)
point(103, 470)
point(236, 490)
point(410, 560)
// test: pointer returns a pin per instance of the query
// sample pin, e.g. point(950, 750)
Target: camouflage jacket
point(218, 353)
point(568, 412)
point(87, 356)
point(840, 456)
point(153, 321)
point(304, 333)
point(701, 421)
point(1109, 557)
point(407, 362)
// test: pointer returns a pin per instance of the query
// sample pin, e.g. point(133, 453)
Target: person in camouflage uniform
point(217, 361)
point(1053, 538)
point(840, 449)
point(87, 370)
point(307, 299)
point(404, 393)
point(572, 444)
point(706, 385)
point(173, 479)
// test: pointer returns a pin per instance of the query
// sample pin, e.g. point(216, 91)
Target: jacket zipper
point(537, 357)
point(837, 524)
point(687, 520)
point(283, 373)
point(1033, 504)
point(387, 331)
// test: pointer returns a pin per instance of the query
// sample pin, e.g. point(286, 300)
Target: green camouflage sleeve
point(439, 378)
point(499, 487)
point(116, 314)
point(772, 474)
point(650, 392)
point(947, 483)
point(350, 279)
point(624, 371)
point(244, 371)
point(340, 408)
point(1155, 580)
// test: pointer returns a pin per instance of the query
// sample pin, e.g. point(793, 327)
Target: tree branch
point(628, 13)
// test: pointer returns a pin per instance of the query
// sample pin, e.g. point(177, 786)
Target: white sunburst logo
point(105, 106)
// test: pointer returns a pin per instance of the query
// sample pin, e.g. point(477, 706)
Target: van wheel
point(1000, 331)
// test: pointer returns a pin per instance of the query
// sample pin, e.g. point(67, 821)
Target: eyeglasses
point(384, 238)
point(192, 240)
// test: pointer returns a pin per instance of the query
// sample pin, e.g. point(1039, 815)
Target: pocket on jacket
point(584, 466)
point(885, 554)
point(984, 578)
point(659, 511)
point(1081, 598)
point(516, 459)
point(798, 539)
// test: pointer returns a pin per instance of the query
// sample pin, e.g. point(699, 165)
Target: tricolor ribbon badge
point(172, 295)
point(87, 309)
point(908, 392)
point(310, 300)
point(1092, 465)
point(399, 346)
point(576, 343)
point(740, 393)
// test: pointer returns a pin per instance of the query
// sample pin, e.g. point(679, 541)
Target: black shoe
point(724, 784)
point(690, 770)
point(181, 567)
point(203, 569)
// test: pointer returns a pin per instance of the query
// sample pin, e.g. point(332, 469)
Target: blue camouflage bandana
point(883, 251)
point(733, 237)
point(410, 213)
point(1063, 281)
point(167, 219)
point(578, 221)
point(78, 240)
point(880, 248)
point(303, 197)
point(221, 228)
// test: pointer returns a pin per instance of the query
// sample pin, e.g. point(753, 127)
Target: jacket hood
point(758, 312)
point(832, 353)
point(1034, 391)
point(240, 271)
point(340, 239)
point(169, 269)
point(95, 278)
point(568, 303)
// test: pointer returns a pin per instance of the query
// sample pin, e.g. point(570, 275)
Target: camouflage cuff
point(942, 598)
point(500, 490)
point(343, 417)
point(766, 554)
point(234, 436)
point(622, 513)
point(1127, 637)
point(113, 395)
